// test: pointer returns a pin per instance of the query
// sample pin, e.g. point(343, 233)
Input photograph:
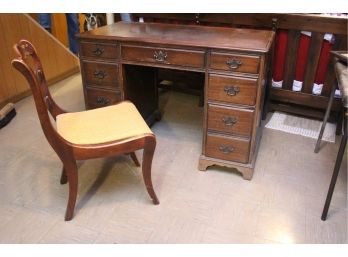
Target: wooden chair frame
point(68, 152)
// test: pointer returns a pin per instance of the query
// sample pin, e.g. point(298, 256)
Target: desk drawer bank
point(118, 62)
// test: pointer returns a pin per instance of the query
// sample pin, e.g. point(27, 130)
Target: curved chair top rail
point(29, 64)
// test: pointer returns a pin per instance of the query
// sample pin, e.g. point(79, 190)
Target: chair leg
point(135, 159)
point(327, 114)
point(149, 150)
point(340, 122)
point(71, 172)
point(63, 177)
point(334, 176)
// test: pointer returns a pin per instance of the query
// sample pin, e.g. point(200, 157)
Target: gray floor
point(281, 204)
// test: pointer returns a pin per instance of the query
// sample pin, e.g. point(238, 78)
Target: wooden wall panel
point(59, 27)
point(8, 84)
point(57, 60)
point(3, 90)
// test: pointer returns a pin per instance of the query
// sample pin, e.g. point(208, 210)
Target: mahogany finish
point(237, 90)
point(29, 64)
point(230, 120)
point(99, 98)
point(233, 62)
point(101, 75)
point(98, 50)
point(251, 40)
point(168, 56)
point(227, 148)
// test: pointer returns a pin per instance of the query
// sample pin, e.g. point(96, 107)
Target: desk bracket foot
point(205, 162)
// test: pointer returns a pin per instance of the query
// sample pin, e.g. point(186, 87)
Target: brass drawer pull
point(101, 100)
point(99, 74)
point(98, 51)
point(232, 90)
point(229, 121)
point(234, 63)
point(160, 56)
point(226, 149)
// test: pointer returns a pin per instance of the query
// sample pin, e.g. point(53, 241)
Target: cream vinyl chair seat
point(107, 124)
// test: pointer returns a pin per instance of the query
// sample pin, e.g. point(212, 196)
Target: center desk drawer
point(227, 148)
point(235, 62)
point(230, 120)
point(188, 58)
point(232, 89)
point(101, 74)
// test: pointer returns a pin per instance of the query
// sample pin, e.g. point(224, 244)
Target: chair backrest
point(28, 63)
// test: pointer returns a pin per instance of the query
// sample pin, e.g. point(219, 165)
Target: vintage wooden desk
point(119, 61)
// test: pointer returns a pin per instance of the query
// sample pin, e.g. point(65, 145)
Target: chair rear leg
point(63, 177)
point(71, 172)
point(149, 150)
point(135, 159)
point(339, 125)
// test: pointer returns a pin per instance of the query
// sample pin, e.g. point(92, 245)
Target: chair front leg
point(71, 173)
point(148, 152)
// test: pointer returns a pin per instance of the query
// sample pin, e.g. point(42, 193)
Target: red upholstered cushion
point(302, 56)
point(281, 43)
point(323, 62)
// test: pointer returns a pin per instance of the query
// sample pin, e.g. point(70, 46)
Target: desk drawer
point(235, 62)
point(168, 56)
point(96, 98)
point(227, 148)
point(232, 89)
point(230, 120)
point(101, 74)
point(98, 50)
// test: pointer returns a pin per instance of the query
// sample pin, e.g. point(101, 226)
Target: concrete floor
point(281, 204)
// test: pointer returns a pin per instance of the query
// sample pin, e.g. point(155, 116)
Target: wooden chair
point(103, 132)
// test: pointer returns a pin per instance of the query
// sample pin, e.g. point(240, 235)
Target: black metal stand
point(336, 170)
point(340, 62)
point(326, 117)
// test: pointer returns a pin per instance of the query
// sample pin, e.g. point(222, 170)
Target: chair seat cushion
point(111, 123)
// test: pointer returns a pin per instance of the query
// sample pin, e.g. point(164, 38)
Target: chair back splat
point(117, 129)
point(29, 64)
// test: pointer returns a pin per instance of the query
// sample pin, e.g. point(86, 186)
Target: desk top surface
point(185, 35)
